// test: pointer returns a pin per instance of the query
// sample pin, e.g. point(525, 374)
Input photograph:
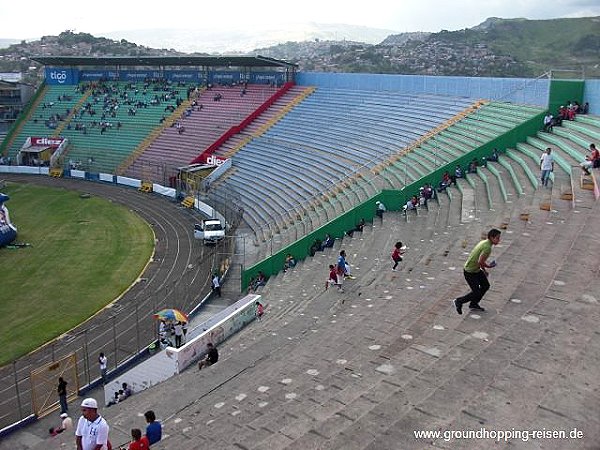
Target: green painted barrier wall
point(392, 199)
point(561, 91)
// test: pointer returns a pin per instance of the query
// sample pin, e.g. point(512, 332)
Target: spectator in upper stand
point(380, 209)
point(446, 181)
point(359, 227)
point(251, 284)
point(153, 429)
point(585, 109)
point(591, 161)
point(428, 191)
point(546, 166)
point(458, 173)
point(261, 280)
point(259, 311)
point(327, 242)
point(472, 166)
point(114, 399)
point(212, 356)
point(126, 390)
point(411, 203)
point(290, 262)
point(315, 247)
point(548, 122)
point(342, 267)
point(422, 198)
point(562, 115)
point(595, 156)
point(138, 442)
point(494, 156)
point(571, 108)
point(333, 278)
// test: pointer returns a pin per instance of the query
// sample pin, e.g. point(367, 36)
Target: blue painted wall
point(516, 90)
point(591, 94)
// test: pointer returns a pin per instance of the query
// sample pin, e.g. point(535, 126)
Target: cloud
point(43, 17)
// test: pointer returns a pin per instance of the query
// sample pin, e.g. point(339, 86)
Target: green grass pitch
point(84, 253)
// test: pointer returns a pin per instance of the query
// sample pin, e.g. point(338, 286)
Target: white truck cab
point(210, 231)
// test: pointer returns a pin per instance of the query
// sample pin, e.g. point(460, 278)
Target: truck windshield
point(213, 227)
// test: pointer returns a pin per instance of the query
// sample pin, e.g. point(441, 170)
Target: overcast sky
point(37, 18)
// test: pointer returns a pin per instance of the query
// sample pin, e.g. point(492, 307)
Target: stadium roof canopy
point(209, 61)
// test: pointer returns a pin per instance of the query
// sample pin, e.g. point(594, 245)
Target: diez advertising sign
point(61, 76)
point(47, 142)
point(214, 160)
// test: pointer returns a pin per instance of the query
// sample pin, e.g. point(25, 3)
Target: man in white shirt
point(548, 119)
point(216, 284)
point(380, 209)
point(103, 363)
point(178, 334)
point(546, 166)
point(92, 429)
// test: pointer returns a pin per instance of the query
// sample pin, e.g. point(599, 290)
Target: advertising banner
point(139, 75)
point(188, 76)
point(97, 75)
point(224, 77)
point(50, 142)
point(266, 77)
point(61, 76)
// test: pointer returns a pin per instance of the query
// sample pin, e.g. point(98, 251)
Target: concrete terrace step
point(365, 373)
point(295, 418)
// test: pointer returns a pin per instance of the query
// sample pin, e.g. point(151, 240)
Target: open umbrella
point(171, 314)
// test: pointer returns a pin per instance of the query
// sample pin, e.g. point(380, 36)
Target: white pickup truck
point(210, 231)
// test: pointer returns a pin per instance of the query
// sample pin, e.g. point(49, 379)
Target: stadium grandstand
point(284, 159)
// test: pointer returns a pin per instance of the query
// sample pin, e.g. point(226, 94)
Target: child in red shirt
point(397, 254)
point(139, 442)
point(260, 310)
point(333, 278)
